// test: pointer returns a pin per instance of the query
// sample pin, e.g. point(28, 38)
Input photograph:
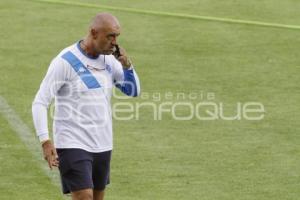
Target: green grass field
point(168, 159)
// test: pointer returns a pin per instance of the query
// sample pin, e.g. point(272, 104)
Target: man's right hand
point(50, 154)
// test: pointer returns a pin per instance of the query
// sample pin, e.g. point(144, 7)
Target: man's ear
point(94, 33)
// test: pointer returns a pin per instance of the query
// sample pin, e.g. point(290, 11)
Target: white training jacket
point(82, 89)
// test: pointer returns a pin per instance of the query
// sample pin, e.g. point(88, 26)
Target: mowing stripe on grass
point(179, 15)
point(25, 134)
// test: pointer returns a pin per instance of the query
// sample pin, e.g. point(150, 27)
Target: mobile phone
point(117, 53)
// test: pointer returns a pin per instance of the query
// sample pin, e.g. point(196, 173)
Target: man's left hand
point(124, 60)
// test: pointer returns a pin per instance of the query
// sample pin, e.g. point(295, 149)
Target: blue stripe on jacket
point(86, 76)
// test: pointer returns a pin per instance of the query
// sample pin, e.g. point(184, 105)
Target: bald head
point(103, 32)
point(104, 20)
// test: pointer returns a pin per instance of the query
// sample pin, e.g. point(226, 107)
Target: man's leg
point(75, 167)
point(98, 195)
point(85, 194)
point(101, 169)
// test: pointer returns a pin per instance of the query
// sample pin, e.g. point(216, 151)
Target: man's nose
point(114, 41)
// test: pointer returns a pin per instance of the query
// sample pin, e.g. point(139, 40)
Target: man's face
point(105, 39)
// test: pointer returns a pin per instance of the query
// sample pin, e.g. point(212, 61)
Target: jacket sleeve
point(126, 80)
point(56, 76)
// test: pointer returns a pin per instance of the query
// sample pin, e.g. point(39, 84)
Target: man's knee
point(86, 194)
point(98, 195)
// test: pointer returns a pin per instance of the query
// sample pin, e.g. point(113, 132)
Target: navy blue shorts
point(80, 169)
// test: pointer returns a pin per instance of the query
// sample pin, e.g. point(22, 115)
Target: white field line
point(171, 14)
point(29, 139)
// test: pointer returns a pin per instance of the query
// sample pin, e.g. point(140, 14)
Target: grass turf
point(171, 159)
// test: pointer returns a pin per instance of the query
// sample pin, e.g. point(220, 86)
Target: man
point(81, 78)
